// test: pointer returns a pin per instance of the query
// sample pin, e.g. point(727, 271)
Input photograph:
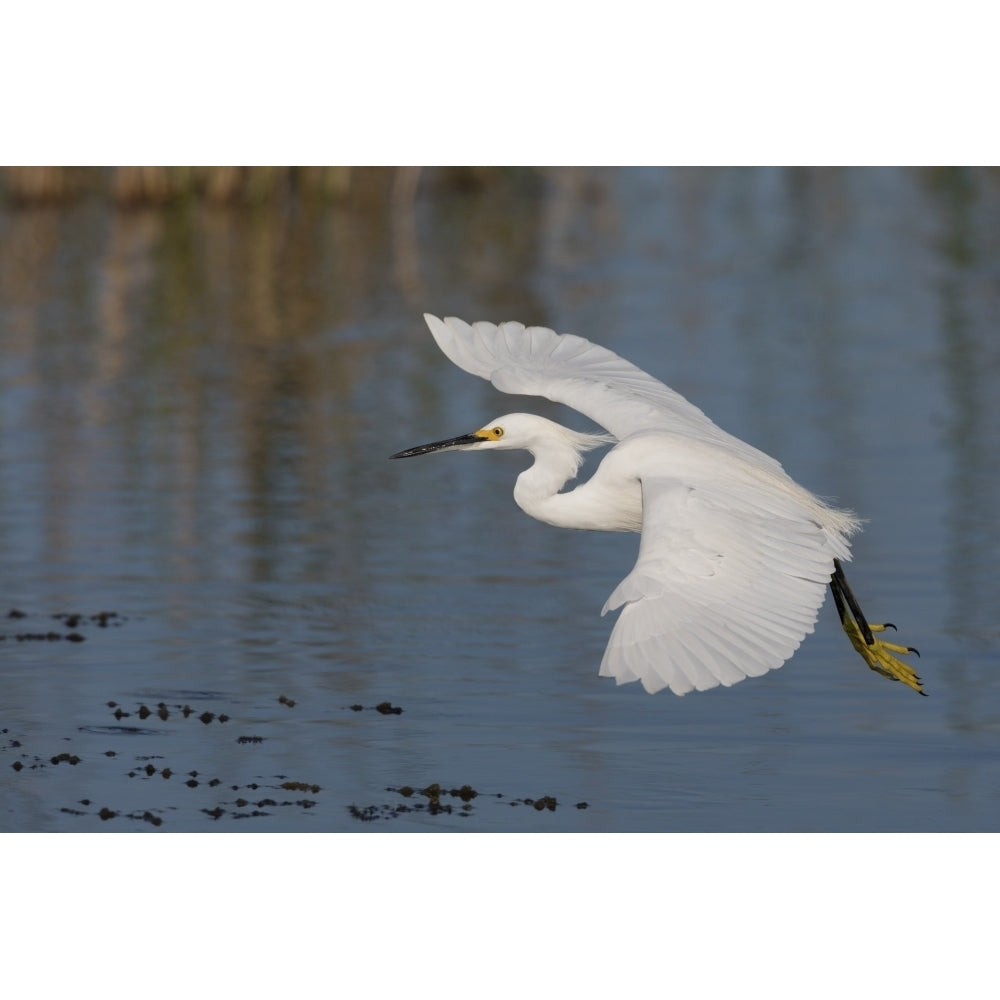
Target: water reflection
point(196, 404)
point(968, 299)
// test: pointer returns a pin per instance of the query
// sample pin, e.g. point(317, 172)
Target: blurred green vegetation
point(224, 185)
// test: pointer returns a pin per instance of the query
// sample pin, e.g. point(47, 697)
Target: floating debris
point(42, 637)
point(436, 804)
point(434, 799)
point(71, 620)
point(105, 814)
point(121, 730)
point(300, 786)
point(383, 708)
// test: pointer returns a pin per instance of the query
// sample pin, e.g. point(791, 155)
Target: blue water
point(196, 410)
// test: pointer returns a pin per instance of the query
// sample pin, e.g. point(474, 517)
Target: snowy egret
point(734, 557)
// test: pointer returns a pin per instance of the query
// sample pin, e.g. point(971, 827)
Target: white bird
point(734, 557)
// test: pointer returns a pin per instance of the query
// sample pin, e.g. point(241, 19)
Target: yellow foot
point(876, 653)
point(879, 655)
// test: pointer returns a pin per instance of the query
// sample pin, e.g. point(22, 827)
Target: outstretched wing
point(721, 590)
point(535, 361)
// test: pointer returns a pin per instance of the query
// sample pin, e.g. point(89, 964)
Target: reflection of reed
point(969, 362)
point(404, 231)
point(196, 354)
point(27, 255)
point(188, 335)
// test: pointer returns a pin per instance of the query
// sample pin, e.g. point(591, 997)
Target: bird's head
point(512, 431)
point(515, 430)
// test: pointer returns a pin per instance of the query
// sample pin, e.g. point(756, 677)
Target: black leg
point(838, 583)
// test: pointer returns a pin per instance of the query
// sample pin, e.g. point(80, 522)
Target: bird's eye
point(496, 433)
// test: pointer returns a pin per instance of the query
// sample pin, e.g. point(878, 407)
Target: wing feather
point(720, 590)
point(536, 361)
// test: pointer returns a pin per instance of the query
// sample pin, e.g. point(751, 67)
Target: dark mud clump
point(72, 622)
point(436, 799)
point(383, 708)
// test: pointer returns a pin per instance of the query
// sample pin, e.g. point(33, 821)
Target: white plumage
point(734, 557)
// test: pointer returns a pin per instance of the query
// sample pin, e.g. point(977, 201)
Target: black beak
point(426, 449)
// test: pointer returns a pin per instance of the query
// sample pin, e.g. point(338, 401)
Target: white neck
point(593, 505)
point(537, 488)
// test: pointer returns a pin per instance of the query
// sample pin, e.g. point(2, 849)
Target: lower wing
point(726, 586)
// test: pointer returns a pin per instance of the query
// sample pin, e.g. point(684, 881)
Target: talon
point(877, 654)
point(882, 628)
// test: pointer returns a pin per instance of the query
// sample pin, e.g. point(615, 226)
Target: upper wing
point(536, 361)
point(726, 586)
